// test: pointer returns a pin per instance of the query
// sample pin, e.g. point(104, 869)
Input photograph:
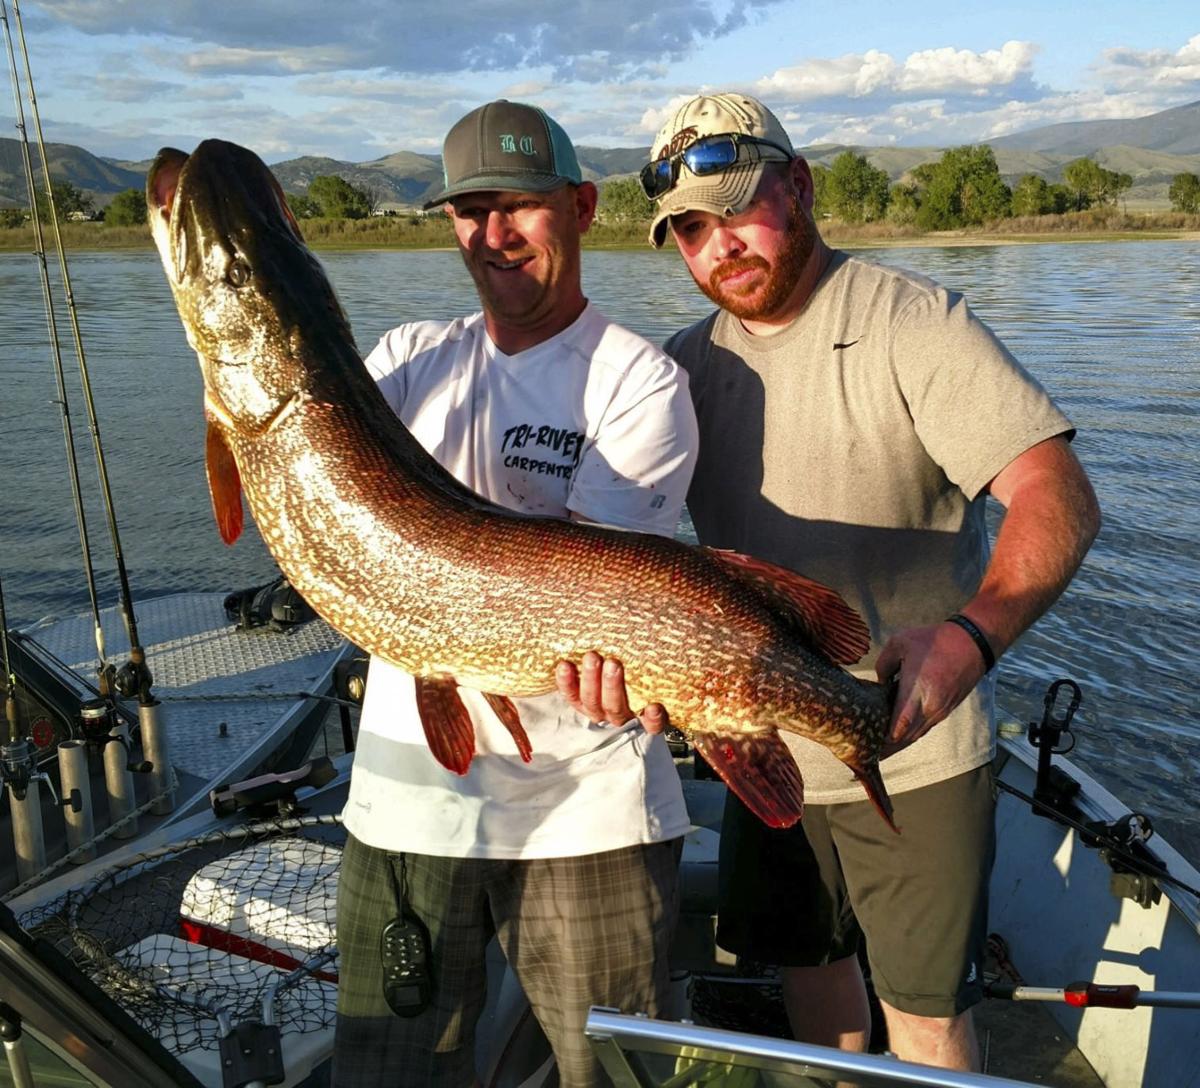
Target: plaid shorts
point(578, 931)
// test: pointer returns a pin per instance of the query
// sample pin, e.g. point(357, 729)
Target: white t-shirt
point(597, 423)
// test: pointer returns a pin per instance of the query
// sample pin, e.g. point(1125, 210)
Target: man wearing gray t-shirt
point(853, 420)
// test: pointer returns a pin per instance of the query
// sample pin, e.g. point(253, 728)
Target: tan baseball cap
point(729, 191)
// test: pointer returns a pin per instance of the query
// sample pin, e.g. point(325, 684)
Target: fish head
point(255, 303)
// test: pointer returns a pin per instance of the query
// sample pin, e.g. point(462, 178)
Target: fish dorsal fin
point(224, 484)
point(759, 768)
point(449, 731)
point(825, 620)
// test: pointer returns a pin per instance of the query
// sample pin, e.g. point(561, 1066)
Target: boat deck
point(1024, 1042)
point(223, 688)
point(232, 700)
point(1018, 1040)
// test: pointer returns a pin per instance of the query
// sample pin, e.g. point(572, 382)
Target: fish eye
point(238, 273)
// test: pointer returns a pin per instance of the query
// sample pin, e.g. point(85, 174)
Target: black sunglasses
point(708, 155)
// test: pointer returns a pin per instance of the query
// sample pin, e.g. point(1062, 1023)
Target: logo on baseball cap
point(506, 145)
point(709, 157)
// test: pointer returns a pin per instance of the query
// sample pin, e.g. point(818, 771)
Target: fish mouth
point(162, 184)
point(182, 198)
point(162, 180)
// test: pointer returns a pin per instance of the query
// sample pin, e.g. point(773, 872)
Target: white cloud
point(529, 88)
point(875, 73)
point(1130, 68)
point(655, 117)
point(946, 70)
point(292, 61)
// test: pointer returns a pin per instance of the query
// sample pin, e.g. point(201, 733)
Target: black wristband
point(977, 637)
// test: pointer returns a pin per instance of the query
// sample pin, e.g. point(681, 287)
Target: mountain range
point(1152, 149)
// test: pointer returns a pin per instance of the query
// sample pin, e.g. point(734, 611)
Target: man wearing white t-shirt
point(544, 406)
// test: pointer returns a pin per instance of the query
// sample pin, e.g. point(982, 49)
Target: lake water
point(1113, 330)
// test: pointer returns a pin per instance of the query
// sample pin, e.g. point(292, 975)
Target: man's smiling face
point(522, 250)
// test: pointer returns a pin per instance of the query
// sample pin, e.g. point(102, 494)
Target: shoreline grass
point(434, 233)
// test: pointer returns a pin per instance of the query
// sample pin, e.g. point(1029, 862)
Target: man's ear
point(800, 175)
point(586, 198)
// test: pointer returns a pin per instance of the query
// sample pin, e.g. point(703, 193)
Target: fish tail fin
point(872, 781)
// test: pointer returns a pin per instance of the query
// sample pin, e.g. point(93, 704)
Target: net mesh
point(751, 1001)
point(192, 937)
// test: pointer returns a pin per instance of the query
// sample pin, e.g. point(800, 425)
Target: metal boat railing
point(638, 1052)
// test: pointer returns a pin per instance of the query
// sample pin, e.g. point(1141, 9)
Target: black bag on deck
point(276, 605)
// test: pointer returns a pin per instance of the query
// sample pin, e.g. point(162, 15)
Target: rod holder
point(153, 729)
point(76, 785)
point(25, 803)
point(118, 780)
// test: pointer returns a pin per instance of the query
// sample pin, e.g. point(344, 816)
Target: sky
point(356, 80)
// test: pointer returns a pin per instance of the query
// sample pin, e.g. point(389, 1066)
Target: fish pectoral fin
point(449, 730)
point(759, 768)
point(825, 620)
point(224, 484)
point(502, 706)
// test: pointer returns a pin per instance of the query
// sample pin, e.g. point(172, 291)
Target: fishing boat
point(205, 953)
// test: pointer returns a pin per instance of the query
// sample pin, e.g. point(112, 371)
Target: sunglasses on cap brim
point(708, 155)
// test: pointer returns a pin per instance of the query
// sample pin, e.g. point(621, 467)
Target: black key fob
point(407, 982)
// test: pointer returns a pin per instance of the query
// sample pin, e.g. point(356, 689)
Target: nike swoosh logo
point(847, 344)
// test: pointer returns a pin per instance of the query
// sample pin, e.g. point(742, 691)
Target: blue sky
point(359, 79)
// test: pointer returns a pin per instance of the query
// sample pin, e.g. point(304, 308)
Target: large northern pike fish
point(411, 566)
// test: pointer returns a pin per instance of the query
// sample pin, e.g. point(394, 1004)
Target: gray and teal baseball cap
point(506, 145)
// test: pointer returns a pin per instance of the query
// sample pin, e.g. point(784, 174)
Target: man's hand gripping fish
point(408, 564)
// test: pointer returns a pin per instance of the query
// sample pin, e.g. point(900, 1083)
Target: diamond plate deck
point(223, 691)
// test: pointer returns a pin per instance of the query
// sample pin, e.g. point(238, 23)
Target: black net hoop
point(196, 936)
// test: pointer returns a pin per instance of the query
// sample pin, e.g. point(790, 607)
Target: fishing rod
point(137, 677)
point(52, 329)
point(1096, 835)
point(19, 776)
point(133, 678)
point(10, 677)
point(1095, 995)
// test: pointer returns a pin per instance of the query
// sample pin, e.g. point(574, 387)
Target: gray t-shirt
point(853, 447)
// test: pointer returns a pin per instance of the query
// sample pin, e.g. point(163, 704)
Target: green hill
point(101, 178)
point(1175, 131)
point(1151, 149)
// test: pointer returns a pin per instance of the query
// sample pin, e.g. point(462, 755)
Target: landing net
point(192, 937)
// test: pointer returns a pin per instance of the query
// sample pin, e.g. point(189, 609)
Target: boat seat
point(274, 902)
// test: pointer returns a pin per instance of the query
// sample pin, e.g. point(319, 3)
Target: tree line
point(328, 197)
point(964, 188)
